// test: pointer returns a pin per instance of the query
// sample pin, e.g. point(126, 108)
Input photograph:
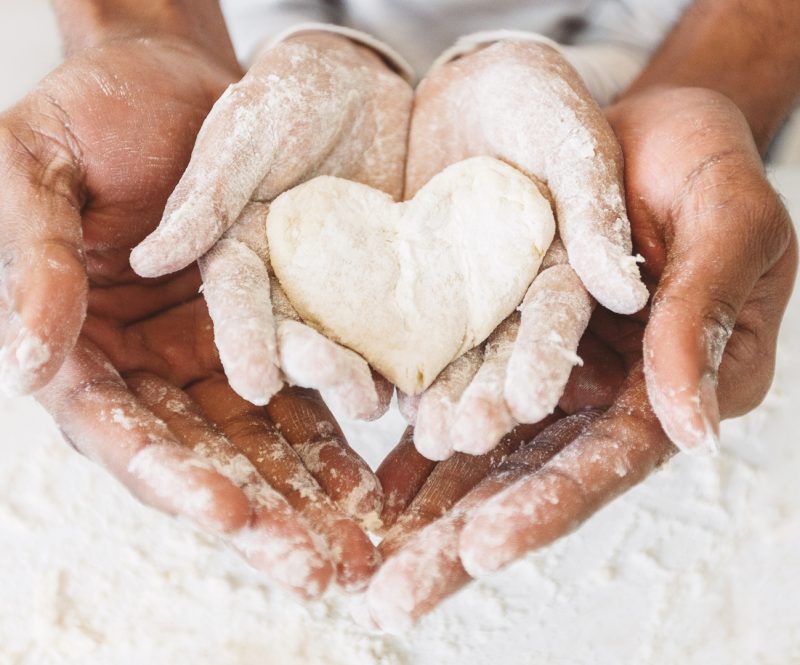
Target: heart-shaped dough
point(411, 286)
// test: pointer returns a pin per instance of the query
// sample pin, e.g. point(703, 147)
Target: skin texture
point(127, 366)
point(747, 51)
point(696, 192)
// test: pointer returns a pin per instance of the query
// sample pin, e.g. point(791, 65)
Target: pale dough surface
point(411, 286)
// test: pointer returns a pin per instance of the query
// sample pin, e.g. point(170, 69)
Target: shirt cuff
point(606, 69)
point(392, 57)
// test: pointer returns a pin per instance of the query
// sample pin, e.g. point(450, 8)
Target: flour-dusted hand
point(523, 103)
point(317, 103)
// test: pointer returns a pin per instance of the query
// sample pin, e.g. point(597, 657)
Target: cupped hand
point(127, 366)
point(523, 103)
point(316, 104)
point(721, 257)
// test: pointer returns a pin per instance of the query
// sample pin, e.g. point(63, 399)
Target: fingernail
point(690, 419)
point(293, 561)
point(22, 357)
point(391, 602)
point(432, 431)
point(141, 259)
point(493, 538)
point(477, 559)
point(168, 472)
point(709, 409)
point(694, 428)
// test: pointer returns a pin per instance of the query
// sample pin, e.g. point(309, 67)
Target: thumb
point(43, 282)
point(718, 254)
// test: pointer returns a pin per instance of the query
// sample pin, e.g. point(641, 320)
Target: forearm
point(86, 23)
point(749, 50)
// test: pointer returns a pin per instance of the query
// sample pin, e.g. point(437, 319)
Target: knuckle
point(774, 226)
point(245, 427)
point(39, 153)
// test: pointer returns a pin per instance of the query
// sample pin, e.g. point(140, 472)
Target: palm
point(134, 112)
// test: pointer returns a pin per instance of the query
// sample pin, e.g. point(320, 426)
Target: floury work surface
point(697, 565)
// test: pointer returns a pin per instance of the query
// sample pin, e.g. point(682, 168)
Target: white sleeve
point(604, 68)
point(252, 22)
point(617, 42)
point(258, 24)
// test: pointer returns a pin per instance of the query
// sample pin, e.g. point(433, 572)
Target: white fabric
point(607, 41)
point(397, 61)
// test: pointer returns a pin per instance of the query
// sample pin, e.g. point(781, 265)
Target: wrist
point(745, 51)
point(88, 23)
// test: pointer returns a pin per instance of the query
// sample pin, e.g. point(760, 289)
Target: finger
point(427, 569)
point(614, 453)
point(584, 171)
point(249, 429)
point(482, 416)
point(43, 283)
point(275, 540)
point(597, 382)
point(408, 406)
point(311, 360)
point(554, 316)
point(236, 287)
point(310, 428)
point(448, 482)
point(402, 473)
point(438, 403)
point(94, 409)
point(711, 271)
point(224, 171)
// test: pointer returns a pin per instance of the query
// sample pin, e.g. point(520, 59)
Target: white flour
point(699, 565)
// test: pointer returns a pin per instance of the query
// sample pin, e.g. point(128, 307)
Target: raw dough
point(411, 286)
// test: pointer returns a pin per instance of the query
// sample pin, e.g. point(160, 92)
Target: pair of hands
point(92, 156)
